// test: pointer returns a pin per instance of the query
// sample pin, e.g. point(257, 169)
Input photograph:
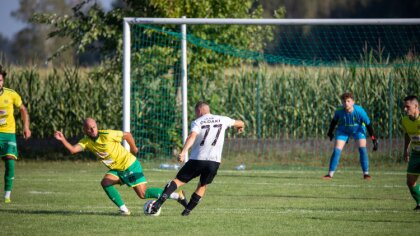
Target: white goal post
point(183, 22)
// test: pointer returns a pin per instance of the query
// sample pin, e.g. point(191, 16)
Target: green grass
point(65, 198)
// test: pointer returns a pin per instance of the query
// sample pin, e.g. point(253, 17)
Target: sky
point(9, 26)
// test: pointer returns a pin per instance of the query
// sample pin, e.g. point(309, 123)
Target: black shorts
point(207, 170)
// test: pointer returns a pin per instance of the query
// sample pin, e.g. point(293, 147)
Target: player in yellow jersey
point(124, 166)
point(9, 99)
point(411, 125)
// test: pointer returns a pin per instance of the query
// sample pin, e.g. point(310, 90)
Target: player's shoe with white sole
point(125, 213)
point(155, 207)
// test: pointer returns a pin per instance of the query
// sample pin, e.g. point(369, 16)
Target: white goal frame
point(183, 22)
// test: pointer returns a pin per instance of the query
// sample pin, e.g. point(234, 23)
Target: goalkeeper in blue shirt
point(352, 121)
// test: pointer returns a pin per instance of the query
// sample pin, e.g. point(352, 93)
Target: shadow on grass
point(364, 220)
point(265, 176)
point(57, 212)
point(257, 196)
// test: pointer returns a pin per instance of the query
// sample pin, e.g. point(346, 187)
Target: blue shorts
point(340, 135)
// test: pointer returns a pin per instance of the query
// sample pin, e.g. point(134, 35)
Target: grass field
point(65, 198)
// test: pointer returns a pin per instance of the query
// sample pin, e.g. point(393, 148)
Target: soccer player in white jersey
point(206, 139)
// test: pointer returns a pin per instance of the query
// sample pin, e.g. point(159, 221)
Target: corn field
point(276, 103)
point(61, 100)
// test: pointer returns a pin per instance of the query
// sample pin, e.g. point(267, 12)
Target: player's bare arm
point(407, 142)
point(130, 140)
point(72, 148)
point(188, 144)
point(25, 119)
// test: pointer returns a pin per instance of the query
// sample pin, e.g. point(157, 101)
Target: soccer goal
point(283, 77)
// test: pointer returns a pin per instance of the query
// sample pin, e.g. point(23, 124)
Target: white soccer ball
point(148, 208)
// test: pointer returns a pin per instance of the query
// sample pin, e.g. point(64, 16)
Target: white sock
point(331, 173)
point(174, 195)
point(7, 194)
point(124, 208)
point(366, 173)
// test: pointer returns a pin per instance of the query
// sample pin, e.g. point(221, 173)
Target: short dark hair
point(411, 98)
point(200, 104)
point(2, 71)
point(346, 95)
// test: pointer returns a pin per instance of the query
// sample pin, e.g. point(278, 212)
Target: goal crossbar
point(238, 21)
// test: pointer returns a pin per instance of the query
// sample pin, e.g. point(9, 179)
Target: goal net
point(283, 80)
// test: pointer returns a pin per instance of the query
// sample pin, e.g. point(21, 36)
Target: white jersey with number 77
point(208, 144)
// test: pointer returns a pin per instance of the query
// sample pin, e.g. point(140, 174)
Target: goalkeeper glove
point(375, 144)
point(330, 134)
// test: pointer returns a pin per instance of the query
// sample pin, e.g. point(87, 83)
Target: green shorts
point(414, 163)
point(8, 145)
point(132, 176)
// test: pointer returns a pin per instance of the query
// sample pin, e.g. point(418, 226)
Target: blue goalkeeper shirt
point(351, 123)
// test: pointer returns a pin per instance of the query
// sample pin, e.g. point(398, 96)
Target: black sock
point(167, 191)
point(195, 199)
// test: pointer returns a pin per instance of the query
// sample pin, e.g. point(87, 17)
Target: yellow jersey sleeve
point(412, 129)
point(17, 100)
point(83, 142)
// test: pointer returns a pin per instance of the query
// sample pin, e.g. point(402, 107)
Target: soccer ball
point(148, 208)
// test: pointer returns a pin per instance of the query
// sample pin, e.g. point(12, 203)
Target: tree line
point(74, 32)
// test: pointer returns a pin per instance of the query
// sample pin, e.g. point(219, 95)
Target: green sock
point(114, 195)
point(415, 192)
point(153, 193)
point(9, 174)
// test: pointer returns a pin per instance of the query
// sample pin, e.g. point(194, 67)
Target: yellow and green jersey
point(412, 128)
point(8, 100)
point(107, 147)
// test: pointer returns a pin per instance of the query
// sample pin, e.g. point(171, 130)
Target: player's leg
point(9, 176)
point(110, 179)
point(135, 178)
point(207, 175)
point(195, 198)
point(169, 192)
point(190, 170)
point(144, 192)
point(413, 172)
point(414, 189)
point(8, 150)
point(363, 156)
point(340, 142)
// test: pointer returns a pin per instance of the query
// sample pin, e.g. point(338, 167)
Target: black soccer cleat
point(155, 207)
point(186, 212)
point(417, 208)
